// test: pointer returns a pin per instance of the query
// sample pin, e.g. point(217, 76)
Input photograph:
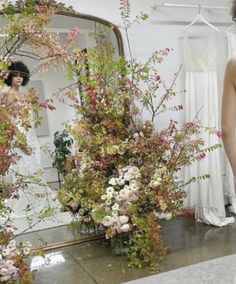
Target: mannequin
point(36, 197)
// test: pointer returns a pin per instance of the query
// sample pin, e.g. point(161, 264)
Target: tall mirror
point(55, 231)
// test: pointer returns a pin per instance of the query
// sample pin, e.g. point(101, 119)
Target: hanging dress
point(206, 196)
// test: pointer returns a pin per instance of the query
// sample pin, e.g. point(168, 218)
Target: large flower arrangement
point(127, 169)
point(127, 174)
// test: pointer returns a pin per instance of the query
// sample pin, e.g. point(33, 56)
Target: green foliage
point(62, 142)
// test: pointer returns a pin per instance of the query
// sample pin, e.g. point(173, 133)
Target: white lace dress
point(35, 196)
point(202, 95)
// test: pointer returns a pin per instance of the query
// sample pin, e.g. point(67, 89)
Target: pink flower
point(202, 156)
point(165, 51)
point(219, 134)
point(8, 270)
point(72, 34)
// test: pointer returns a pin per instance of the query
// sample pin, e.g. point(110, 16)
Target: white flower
point(5, 277)
point(115, 217)
point(160, 215)
point(112, 181)
point(168, 216)
point(109, 195)
point(5, 251)
point(9, 262)
point(8, 270)
point(117, 227)
point(120, 181)
point(125, 228)
point(133, 187)
point(103, 197)
point(124, 194)
point(115, 207)
point(164, 215)
point(119, 198)
point(133, 197)
point(12, 245)
point(154, 183)
point(107, 221)
point(134, 170)
point(110, 190)
point(108, 202)
point(4, 270)
point(125, 169)
point(128, 176)
point(114, 214)
point(26, 251)
point(9, 229)
point(123, 219)
point(126, 187)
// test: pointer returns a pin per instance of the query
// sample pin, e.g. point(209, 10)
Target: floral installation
point(127, 174)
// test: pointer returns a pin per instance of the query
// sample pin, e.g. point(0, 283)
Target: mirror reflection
point(50, 141)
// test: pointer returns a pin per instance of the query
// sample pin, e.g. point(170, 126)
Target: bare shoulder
point(230, 71)
point(10, 96)
point(231, 65)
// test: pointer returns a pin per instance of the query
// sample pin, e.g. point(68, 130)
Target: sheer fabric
point(37, 196)
point(202, 98)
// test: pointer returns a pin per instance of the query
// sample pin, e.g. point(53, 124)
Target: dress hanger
point(200, 18)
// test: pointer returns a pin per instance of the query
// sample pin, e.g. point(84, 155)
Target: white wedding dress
point(207, 196)
point(38, 198)
point(35, 197)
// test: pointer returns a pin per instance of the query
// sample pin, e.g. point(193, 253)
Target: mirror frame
point(63, 10)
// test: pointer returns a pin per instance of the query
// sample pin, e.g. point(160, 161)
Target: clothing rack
point(205, 7)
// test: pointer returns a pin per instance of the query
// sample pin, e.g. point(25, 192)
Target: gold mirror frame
point(63, 10)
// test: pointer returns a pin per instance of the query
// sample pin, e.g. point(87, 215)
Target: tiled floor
point(92, 262)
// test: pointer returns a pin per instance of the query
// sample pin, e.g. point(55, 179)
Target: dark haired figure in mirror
point(36, 197)
point(228, 115)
